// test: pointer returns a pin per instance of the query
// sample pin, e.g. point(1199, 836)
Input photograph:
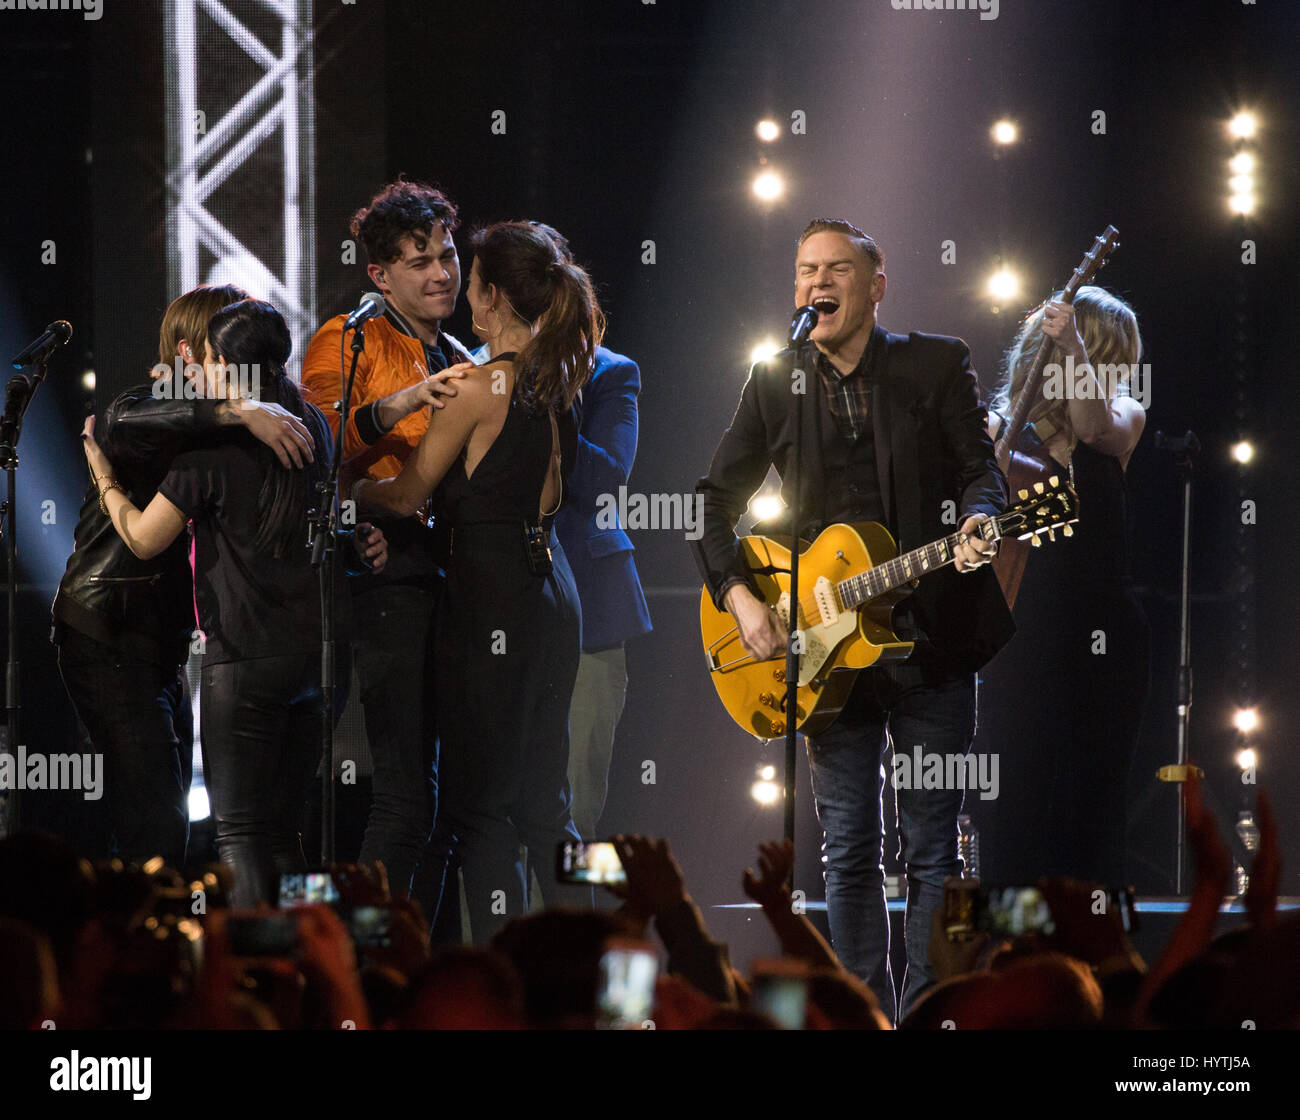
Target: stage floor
point(1155, 904)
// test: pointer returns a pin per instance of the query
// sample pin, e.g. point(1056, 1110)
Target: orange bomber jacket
point(392, 360)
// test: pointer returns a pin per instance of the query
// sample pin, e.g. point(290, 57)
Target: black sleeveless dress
point(507, 654)
point(1062, 703)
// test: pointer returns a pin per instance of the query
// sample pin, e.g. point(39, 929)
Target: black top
point(250, 604)
point(1097, 553)
point(506, 487)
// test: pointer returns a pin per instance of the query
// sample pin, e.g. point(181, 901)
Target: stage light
point(1243, 126)
point(88, 381)
point(1242, 184)
point(768, 186)
point(767, 773)
point(765, 793)
point(1244, 451)
point(1246, 758)
point(764, 350)
point(1245, 720)
point(1243, 163)
point(766, 506)
point(1004, 286)
point(1243, 204)
point(200, 809)
point(1005, 132)
point(767, 130)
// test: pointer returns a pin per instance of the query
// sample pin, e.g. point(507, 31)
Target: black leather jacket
point(142, 607)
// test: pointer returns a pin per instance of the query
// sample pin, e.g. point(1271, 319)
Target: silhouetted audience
point(109, 946)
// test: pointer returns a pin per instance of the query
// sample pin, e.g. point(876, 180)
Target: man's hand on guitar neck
point(761, 632)
point(975, 550)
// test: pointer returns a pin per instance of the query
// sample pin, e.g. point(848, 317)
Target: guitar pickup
point(827, 602)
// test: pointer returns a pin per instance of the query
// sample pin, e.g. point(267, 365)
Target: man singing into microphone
point(407, 364)
point(893, 432)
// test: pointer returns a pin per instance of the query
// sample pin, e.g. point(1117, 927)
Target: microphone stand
point(18, 395)
point(1183, 448)
point(804, 326)
point(324, 558)
point(791, 649)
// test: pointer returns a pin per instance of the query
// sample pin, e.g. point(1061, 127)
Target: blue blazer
point(613, 605)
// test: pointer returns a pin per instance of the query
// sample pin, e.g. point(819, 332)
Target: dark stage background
point(630, 122)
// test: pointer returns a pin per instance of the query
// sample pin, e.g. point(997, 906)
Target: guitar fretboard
point(874, 582)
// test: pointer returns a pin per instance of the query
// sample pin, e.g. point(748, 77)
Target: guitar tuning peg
point(1051, 534)
point(1035, 541)
point(1067, 530)
point(1039, 488)
point(1023, 494)
point(1054, 481)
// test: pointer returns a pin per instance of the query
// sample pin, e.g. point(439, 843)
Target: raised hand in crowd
point(656, 889)
point(771, 890)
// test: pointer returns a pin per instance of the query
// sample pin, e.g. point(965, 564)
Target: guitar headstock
point(1102, 247)
point(1044, 509)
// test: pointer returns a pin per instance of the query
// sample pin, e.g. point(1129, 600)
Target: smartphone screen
point(1011, 911)
point(371, 927)
point(306, 889)
point(626, 997)
point(597, 862)
point(784, 999)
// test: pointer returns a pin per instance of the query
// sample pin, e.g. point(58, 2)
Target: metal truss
point(203, 154)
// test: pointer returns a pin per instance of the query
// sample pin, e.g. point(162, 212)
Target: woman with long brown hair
point(1062, 704)
point(509, 634)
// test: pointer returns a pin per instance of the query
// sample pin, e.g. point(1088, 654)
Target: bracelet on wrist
point(113, 484)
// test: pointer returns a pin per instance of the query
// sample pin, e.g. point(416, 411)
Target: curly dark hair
point(401, 209)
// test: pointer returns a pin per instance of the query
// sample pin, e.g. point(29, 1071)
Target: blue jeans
point(903, 706)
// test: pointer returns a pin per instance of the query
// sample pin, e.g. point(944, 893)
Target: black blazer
point(932, 448)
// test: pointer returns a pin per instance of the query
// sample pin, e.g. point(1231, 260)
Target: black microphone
point(371, 307)
point(56, 335)
point(17, 393)
point(803, 324)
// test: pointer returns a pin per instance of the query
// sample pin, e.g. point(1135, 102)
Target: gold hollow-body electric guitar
point(850, 579)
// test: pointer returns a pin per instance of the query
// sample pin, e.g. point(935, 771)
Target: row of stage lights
point(1242, 129)
point(1004, 285)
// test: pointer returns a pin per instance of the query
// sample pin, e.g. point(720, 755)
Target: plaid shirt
point(848, 395)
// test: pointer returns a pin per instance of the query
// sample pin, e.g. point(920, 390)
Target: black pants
point(507, 654)
point(261, 723)
point(394, 651)
point(137, 714)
